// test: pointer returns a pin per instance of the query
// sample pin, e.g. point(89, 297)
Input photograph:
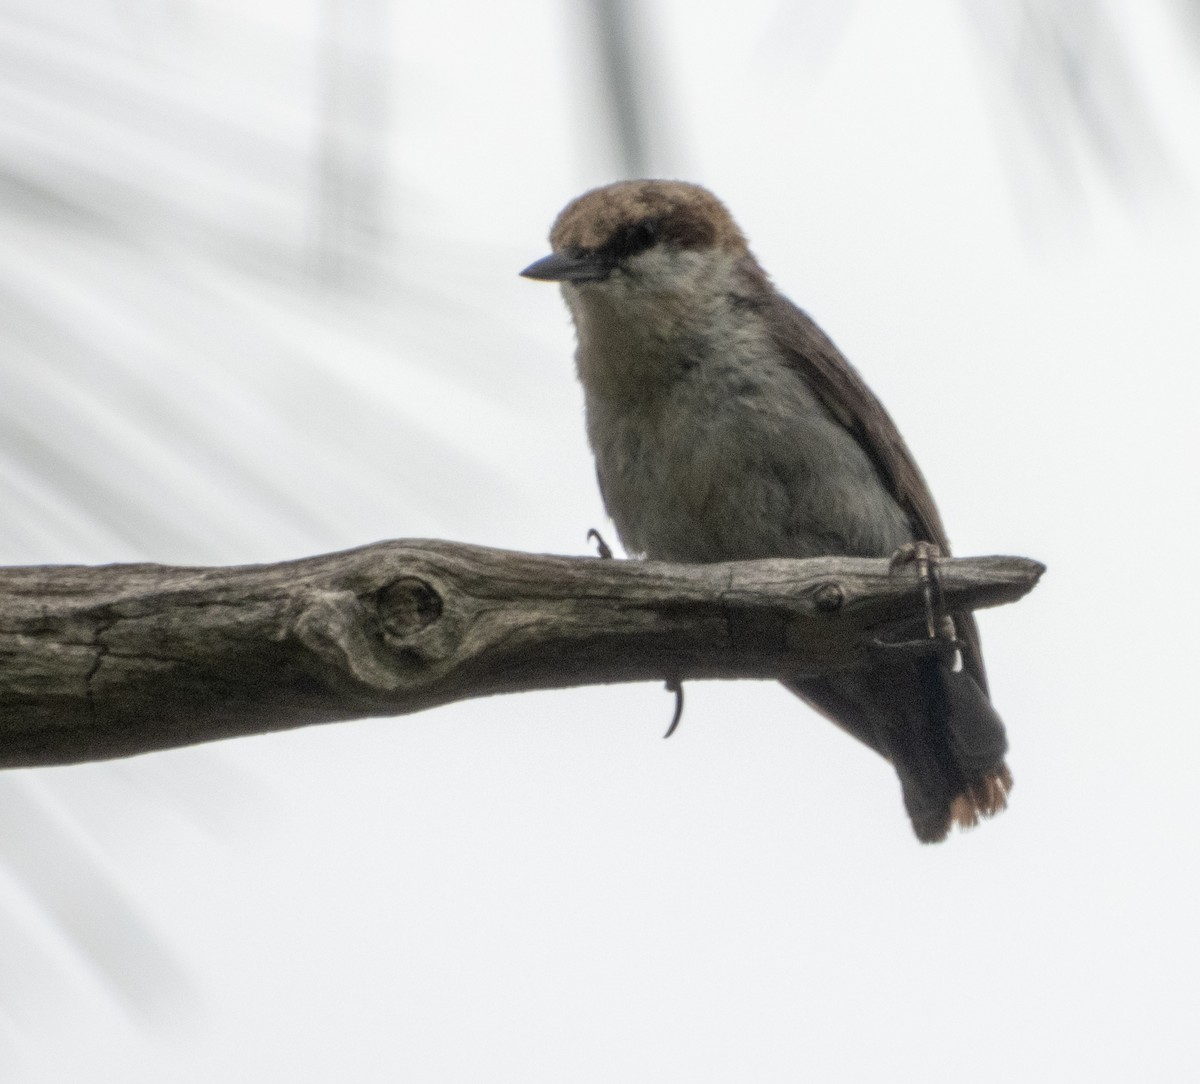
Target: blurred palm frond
point(70, 888)
point(1068, 88)
point(204, 317)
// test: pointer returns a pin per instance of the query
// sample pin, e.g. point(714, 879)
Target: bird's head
point(640, 238)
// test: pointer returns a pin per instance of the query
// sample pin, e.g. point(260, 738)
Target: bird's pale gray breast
point(726, 454)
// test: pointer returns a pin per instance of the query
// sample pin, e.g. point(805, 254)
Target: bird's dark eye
point(633, 239)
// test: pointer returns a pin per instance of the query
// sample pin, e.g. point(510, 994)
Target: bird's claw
point(948, 647)
point(675, 686)
point(603, 549)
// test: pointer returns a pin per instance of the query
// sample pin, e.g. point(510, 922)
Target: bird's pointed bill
point(569, 267)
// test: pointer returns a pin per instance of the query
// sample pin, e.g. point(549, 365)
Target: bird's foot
point(603, 549)
point(674, 685)
point(942, 636)
point(923, 555)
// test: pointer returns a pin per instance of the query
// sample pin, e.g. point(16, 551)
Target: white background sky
point(539, 888)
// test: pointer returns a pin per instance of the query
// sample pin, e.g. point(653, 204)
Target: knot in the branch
point(407, 605)
point(829, 597)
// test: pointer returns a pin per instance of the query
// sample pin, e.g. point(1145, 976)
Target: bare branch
point(122, 659)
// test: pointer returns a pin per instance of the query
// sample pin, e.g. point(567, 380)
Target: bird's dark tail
point(936, 726)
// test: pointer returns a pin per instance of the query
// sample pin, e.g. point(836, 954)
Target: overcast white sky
point(539, 888)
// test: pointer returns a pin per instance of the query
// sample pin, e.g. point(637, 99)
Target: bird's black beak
point(569, 267)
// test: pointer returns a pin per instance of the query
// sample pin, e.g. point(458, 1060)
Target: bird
point(726, 425)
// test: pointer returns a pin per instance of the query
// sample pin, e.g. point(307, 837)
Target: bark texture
point(99, 662)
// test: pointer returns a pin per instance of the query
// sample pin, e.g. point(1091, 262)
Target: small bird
point(727, 426)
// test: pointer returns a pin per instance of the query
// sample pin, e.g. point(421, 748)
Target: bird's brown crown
point(632, 215)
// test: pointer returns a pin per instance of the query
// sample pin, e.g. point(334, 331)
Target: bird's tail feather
point(936, 726)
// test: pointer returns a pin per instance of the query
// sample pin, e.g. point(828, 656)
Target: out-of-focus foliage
point(214, 347)
point(1067, 97)
point(198, 261)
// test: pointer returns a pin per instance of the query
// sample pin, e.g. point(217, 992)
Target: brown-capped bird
point(727, 426)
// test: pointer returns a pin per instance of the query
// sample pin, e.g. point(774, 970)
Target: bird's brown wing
point(848, 399)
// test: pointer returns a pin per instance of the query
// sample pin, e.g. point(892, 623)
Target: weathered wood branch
point(122, 659)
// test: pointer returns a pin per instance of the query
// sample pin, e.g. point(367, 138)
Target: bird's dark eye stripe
point(631, 240)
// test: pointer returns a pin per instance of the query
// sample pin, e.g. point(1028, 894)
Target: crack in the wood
point(102, 626)
point(810, 591)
